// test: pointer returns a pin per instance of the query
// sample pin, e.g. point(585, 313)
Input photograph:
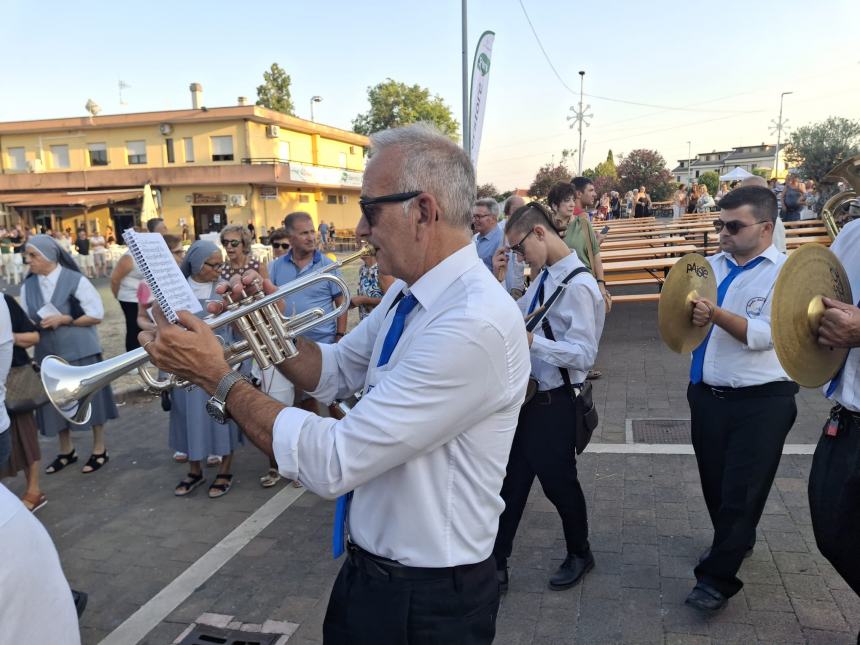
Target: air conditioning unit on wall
point(272, 131)
point(237, 201)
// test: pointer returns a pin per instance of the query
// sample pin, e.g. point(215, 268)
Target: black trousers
point(738, 438)
point(834, 498)
point(370, 606)
point(544, 445)
point(129, 310)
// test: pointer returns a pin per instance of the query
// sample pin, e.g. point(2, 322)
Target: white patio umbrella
point(737, 174)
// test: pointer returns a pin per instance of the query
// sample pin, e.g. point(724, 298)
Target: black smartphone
point(604, 230)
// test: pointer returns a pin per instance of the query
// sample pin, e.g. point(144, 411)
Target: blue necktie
point(831, 388)
point(395, 331)
point(697, 367)
point(539, 292)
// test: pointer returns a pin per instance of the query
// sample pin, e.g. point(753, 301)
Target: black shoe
point(707, 552)
point(705, 597)
point(571, 571)
point(502, 576)
point(80, 598)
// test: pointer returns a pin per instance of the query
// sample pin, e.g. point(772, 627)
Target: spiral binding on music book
point(155, 262)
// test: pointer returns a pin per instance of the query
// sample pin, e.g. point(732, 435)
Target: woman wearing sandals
point(66, 308)
point(24, 434)
point(192, 430)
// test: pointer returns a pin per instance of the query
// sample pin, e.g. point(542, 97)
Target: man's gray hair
point(490, 204)
point(434, 164)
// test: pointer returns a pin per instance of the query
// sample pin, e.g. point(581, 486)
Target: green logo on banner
point(484, 64)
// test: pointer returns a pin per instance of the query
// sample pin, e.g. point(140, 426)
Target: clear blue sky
point(724, 63)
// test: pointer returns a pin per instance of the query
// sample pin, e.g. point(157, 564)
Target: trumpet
point(267, 335)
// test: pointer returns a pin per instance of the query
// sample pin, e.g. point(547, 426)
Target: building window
point(697, 173)
point(222, 148)
point(136, 152)
point(342, 159)
point(283, 151)
point(331, 199)
point(171, 156)
point(98, 154)
point(60, 156)
point(17, 158)
point(304, 199)
point(189, 149)
point(341, 199)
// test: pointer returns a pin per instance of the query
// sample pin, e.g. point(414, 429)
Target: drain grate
point(660, 431)
point(206, 635)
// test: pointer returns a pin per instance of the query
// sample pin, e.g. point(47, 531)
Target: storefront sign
point(268, 192)
point(325, 176)
point(209, 198)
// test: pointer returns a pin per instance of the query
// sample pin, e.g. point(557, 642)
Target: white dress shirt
point(847, 249)
point(6, 346)
point(576, 319)
point(729, 362)
point(86, 294)
point(426, 447)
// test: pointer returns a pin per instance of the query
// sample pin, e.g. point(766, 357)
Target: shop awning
point(88, 199)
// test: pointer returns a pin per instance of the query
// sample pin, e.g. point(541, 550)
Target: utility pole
point(467, 144)
point(689, 169)
point(578, 117)
point(778, 126)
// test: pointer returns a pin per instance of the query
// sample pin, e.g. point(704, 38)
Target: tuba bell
point(833, 210)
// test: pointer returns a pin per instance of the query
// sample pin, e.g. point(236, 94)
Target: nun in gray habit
point(192, 430)
point(66, 308)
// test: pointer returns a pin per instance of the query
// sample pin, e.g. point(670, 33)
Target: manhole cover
point(660, 430)
point(206, 635)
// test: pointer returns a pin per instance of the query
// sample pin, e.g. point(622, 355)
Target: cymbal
point(811, 271)
point(690, 278)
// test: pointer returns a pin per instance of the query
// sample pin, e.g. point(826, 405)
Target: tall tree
point(646, 168)
point(274, 93)
point(711, 179)
point(548, 175)
point(393, 104)
point(487, 190)
point(606, 168)
point(816, 148)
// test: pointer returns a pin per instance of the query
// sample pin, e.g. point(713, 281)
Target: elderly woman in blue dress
point(66, 307)
point(192, 430)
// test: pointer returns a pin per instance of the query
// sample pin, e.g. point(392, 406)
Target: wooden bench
point(647, 252)
point(635, 297)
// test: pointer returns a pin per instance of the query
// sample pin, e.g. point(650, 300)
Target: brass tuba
point(268, 337)
point(849, 172)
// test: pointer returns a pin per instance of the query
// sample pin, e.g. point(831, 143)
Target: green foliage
point(712, 180)
point(487, 190)
point(762, 172)
point(394, 104)
point(606, 168)
point(548, 175)
point(274, 93)
point(590, 173)
point(646, 168)
point(816, 148)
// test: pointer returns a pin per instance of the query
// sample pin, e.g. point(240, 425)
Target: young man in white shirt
point(741, 400)
point(834, 481)
point(443, 361)
point(563, 349)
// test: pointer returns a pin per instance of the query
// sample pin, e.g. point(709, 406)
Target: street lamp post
point(314, 99)
point(689, 169)
point(579, 116)
point(780, 124)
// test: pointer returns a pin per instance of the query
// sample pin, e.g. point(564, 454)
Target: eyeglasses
point(281, 245)
point(481, 215)
point(733, 227)
point(217, 266)
point(366, 204)
point(518, 247)
point(232, 243)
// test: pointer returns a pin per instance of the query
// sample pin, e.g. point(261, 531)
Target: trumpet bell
point(689, 279)
point(810, 273)
point(64, 386)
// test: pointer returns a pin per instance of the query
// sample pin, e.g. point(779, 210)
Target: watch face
point(216, 410)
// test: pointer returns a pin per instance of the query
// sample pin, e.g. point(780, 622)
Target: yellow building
point(209, 166)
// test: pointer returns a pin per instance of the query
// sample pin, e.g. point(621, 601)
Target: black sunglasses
point(233, 243)
point(733, 227)
point(518, 247)
point(368, 204)
point(281, 245)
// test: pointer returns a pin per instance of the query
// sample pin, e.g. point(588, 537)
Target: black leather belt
point(775, 388)
point(545, 397)
point(383, 567)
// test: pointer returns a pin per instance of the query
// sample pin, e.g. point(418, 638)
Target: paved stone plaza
point(155, 564)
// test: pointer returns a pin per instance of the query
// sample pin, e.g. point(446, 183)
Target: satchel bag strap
point(530, 326)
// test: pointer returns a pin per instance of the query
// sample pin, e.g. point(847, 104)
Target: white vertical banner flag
point(478, 92)
point(148, 209)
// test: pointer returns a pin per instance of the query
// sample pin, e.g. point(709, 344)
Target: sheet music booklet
point(169, 287)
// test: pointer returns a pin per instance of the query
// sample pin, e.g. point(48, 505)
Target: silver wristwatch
point(216, 406)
